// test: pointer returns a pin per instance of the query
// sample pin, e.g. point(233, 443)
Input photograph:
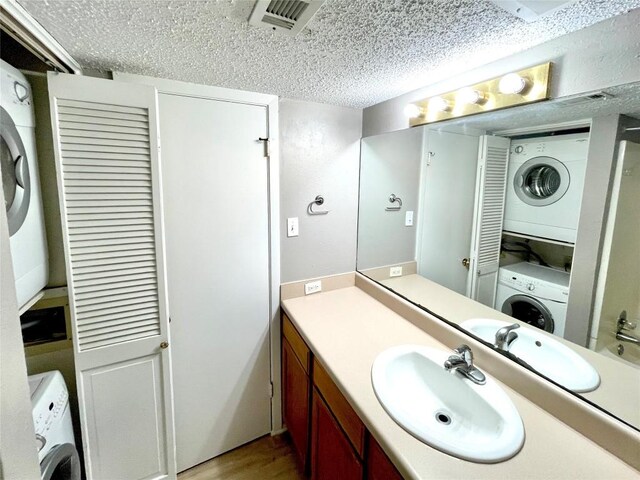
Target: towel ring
point(394, 199)
point(319, 200)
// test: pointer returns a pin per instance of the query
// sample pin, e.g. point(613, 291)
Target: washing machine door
point(61, 463)
point(541, 181)
point(16, 181)
point(529, 310)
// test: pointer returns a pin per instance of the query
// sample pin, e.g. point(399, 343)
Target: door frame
point(270, 102)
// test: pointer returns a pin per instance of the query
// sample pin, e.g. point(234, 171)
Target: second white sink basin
point(543, 353)
point(444, 409)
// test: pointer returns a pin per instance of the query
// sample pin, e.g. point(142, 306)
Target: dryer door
point(16, 181)
point(541, 181)
point(529, 310)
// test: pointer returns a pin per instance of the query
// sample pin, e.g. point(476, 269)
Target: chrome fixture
point(505, 337)
point(625, 337)
point(394, 199)
point(319, 200)
point(462, 361)
point(624, 324)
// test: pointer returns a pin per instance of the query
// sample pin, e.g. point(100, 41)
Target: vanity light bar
point(512, 89)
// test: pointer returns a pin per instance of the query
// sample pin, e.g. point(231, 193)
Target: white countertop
point(346, 329)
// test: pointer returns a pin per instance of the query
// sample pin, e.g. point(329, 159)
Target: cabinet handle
point(164, 345)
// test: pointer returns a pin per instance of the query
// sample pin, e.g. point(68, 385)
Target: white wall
point(603, 55)
point(18, 454)
point(319, 155)
point(390, 163)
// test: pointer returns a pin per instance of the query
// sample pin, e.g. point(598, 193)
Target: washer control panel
point(534, 287)
point(48, 412)
point(15, 90)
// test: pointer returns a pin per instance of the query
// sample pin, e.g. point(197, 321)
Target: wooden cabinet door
point(295, 388)
point(332, 456)
point(379, 467)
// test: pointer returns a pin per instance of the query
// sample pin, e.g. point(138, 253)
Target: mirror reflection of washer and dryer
point(545, 182)
point(21, 184)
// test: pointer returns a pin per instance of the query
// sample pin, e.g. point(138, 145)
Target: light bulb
point(412, 111)
point(438, 104)
point(512, 83)
point(471, 96)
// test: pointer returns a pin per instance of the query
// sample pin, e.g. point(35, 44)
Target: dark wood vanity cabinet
point(296, 390)
point(332, 456)
point(330, 439)
point(379, 467)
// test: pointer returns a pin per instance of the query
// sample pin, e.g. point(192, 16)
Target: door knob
point(164, 345)
point(466, 262)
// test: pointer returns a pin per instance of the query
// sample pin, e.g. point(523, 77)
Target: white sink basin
point(543, 353)
point(445, 409)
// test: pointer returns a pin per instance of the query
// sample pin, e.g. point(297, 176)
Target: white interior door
point(488, 218)
point(448, 192)
point(216, 212)
point(106, 149)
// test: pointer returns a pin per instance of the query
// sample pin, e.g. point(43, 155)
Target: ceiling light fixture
point(471, 96)
point(438, 104)
point(519, 87)
point(512, 83)
point(412, 110)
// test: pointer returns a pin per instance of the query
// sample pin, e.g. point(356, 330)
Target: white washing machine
point(21, 184)
point(545, 180)
point(54, 431)
point(535, 295)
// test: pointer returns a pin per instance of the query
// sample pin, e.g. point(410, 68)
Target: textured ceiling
point(353, 52)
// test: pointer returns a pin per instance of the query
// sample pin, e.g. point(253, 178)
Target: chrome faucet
point(462, 361)
point(624, 324)
point(505, 337)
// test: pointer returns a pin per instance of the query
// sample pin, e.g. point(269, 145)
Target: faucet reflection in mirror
point(460, 199)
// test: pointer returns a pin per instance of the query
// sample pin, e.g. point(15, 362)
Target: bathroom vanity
point(337, 424)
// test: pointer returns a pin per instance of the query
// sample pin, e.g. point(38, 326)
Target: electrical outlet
point(292, 227)
point(395, 272)
point(313, 287)
point(408, 218)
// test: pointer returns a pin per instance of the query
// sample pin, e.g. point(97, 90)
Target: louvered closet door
point(109, 181)
point(492, 179)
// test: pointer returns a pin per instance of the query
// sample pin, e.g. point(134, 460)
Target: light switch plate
point(408, 218)
point(313, 287)
point(395, 272)
point(292, 227)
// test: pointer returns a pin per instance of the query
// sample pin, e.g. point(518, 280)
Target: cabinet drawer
point(346, 416)
point(298, 345)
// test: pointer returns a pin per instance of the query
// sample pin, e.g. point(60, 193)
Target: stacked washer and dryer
point(59, 459)
point(21, 186)
point(545, 181)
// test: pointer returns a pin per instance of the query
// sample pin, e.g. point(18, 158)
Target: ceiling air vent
point(289, 16)
point(532, 10)
point(580, 99)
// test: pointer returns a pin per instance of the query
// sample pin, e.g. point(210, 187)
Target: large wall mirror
point(530, 212)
